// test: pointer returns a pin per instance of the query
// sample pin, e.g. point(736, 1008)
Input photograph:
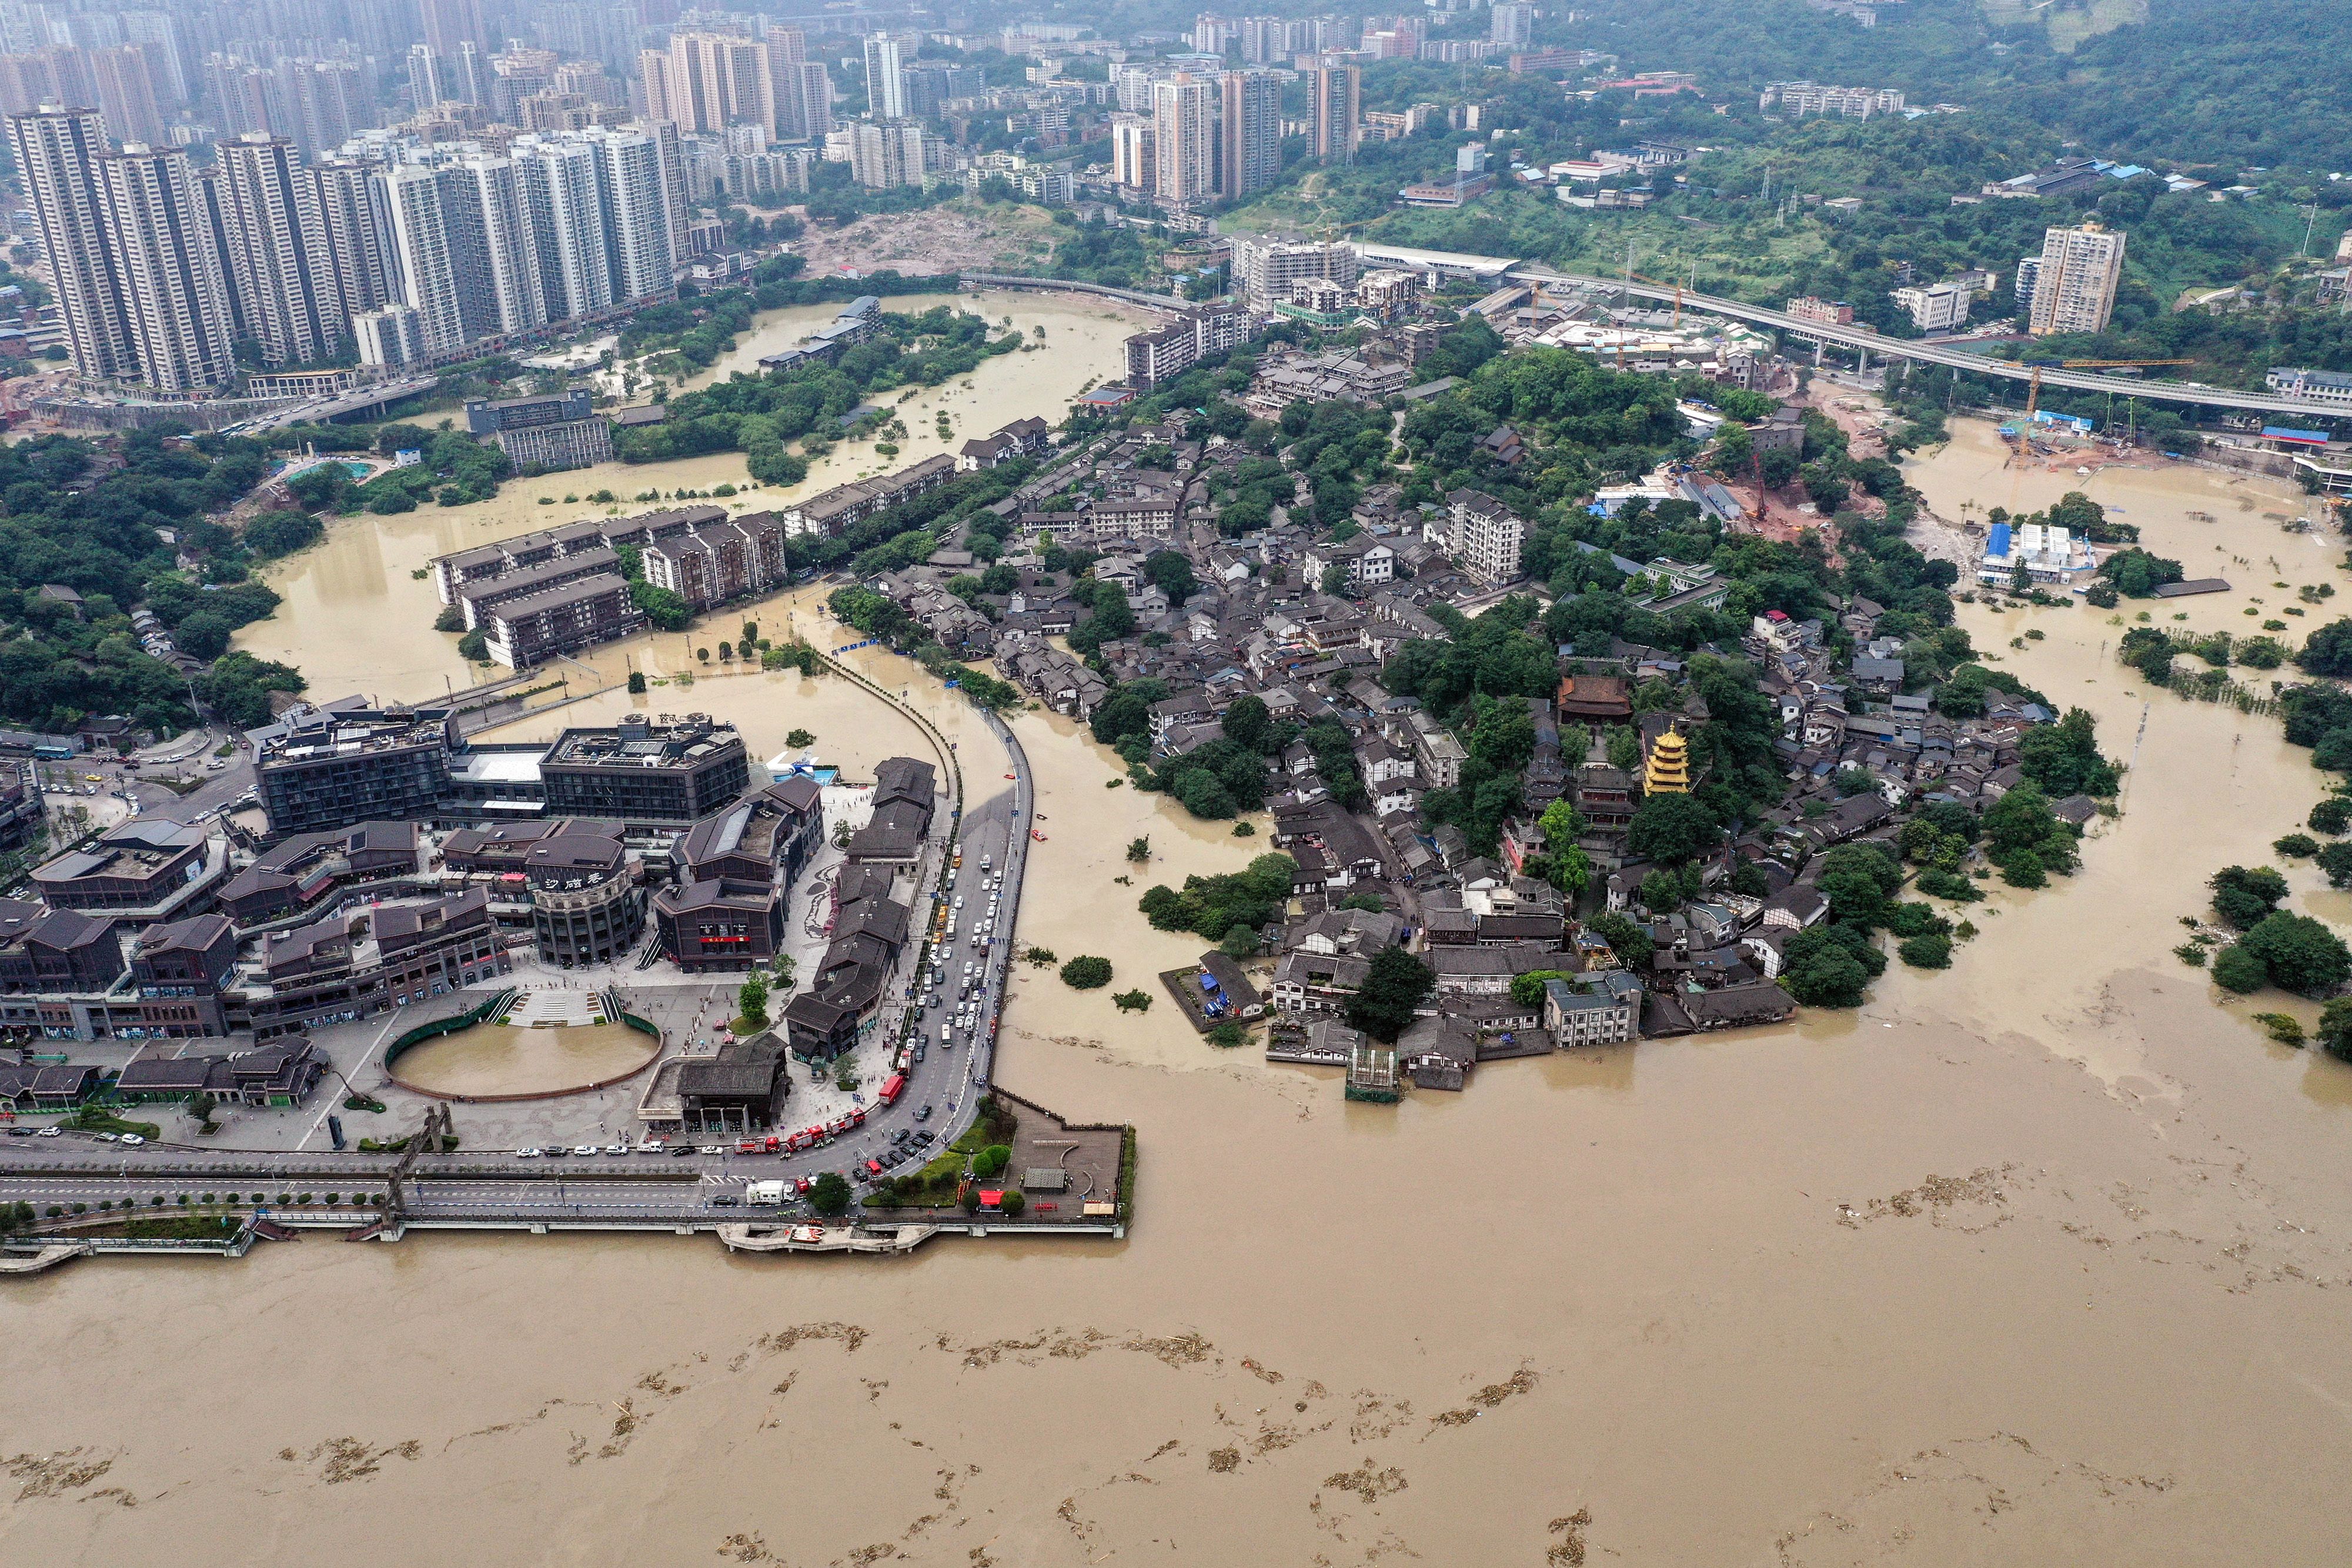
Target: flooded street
point(358, 618)
point(2038, 1260)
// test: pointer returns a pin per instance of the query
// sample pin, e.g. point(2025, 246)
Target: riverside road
point(489, 1185)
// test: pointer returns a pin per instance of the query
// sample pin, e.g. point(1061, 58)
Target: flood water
point(498, 1059)
point(2041, 1259)
point(357, 619)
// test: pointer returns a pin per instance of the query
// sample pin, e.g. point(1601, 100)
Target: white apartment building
point(885, 83)
point(883, 156)
point(1134, 164)
point(58, 152)
point(1181, 140)
point(391, 336)
point(1266, 266)
point(1938, 307)
point(557, 183)
point(2319, 386)
point(1250, 106)
point(1804, 98)
point(1483, 536)
point(2075, 288)
point(280, 270)
point(175, 300)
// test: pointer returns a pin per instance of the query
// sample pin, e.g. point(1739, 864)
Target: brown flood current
point(355, 619)
point(2032, 1261)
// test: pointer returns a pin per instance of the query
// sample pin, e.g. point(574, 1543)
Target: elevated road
point(1924, 352)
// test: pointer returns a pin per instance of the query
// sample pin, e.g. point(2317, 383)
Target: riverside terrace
point(1083, 1175)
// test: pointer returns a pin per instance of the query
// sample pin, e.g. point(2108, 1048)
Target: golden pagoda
point(1667, 772)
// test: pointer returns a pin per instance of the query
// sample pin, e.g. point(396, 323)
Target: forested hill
point(2257, 81)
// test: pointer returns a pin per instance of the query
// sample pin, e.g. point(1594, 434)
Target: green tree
point(1247, 723)
point(991, 1161)
point(1528, 990)
point(1239, 942)
point(2328, 650)
point(637, 682)
point(2243, 896)
point(203, 635)
point(1015, 1203)
point(751, 1001)
point(2236, 970)
point(2299, 954)
point(1139, 850)
point(1086, 974)
point(2334, 1032)
point(1822, 967)
point(1629, 941)
point(1135, 1001)
point(1673, 828)
point(829, 1194)
point(1395, 983)
point(1857, 880)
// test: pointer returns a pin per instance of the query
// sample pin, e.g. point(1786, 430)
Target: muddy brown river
point(2042, 1259)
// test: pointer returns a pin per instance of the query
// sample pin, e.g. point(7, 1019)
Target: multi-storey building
point(1512, 25)
point(885, 87)
point(327, 769)
point(1168, 351)
point(1339, 111)
point(138, 872)
point(735, 873)
point(2075, 288)
point(585, 904)
point(1483, 536)
point(546, 433)
point(2320, 386)
point(57, 152)
point(282, 277)
point(175, 300)
point(1180, 134)
point(556, 181)
point(884, 155)
point(1937, 306)
point(1266, 266)
point(1804, 97)
point(641, 772)
point(720, 561)
point(528, 630)
point(1135, 165)
point(1828, 312)
point(1250, 155)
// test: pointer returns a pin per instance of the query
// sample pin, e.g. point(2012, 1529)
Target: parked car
point(726, 1200)
point(132, 1138)
point(526, 1153)
point(583, 1148)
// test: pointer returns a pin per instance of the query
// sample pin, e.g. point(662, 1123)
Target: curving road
point(1933, 354)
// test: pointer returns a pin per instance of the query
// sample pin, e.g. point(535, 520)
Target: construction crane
point(1644, 277)
point(2033, 397)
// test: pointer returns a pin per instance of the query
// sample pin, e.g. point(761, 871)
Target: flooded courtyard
point(499, 1060)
